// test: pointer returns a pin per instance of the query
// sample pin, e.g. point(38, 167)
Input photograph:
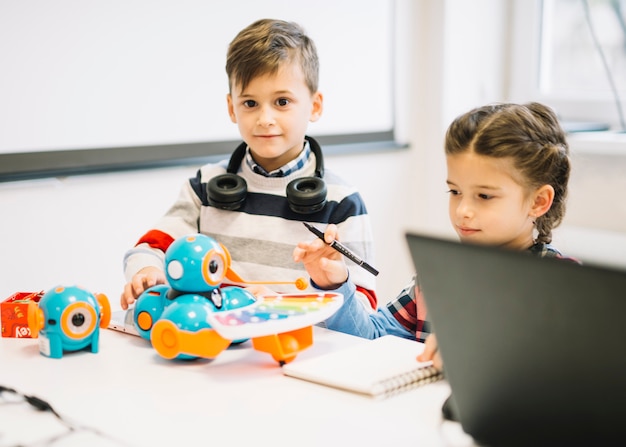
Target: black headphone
point(305, 195)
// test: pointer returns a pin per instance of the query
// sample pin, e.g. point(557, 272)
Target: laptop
point(122, 321)
point(534, 349)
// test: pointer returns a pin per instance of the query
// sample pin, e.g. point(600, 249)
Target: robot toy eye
point(214, 267)
point(79, 320)
point(175, 269)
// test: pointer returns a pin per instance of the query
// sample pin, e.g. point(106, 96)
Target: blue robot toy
point(173, 316)
point(193, 316)
point(68, 318)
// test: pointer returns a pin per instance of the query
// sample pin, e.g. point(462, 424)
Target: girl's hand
point(324, 264)
point(431, 352)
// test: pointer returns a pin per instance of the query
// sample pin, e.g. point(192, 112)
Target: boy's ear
point(318, 107)
point(543, 198)
point(231, 108)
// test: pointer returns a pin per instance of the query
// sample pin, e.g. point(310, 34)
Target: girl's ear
point(543, 198)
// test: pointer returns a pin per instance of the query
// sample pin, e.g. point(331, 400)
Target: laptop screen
point(533, 348)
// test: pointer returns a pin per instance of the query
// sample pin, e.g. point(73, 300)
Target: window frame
point(525, 59)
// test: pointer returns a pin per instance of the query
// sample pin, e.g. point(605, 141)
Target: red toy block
point(14, 314)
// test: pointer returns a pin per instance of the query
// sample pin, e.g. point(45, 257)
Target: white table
point(136, 398)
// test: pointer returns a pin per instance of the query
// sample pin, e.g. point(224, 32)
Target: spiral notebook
point(379, 368)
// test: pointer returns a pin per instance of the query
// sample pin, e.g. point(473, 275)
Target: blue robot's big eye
point(78, 320)
point(214, 267)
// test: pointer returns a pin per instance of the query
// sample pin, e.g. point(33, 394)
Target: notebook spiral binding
point(406, 381)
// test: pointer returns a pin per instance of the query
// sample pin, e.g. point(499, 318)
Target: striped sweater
point(262, 234)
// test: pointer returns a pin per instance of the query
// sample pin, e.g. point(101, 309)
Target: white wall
point(595, 224)
point(114, 73)
point(76, 229)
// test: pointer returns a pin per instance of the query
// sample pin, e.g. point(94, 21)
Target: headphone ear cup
point(306, 195)
point(227, 191)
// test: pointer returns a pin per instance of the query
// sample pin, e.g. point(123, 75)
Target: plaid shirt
point(409, 308)
point(294, 165)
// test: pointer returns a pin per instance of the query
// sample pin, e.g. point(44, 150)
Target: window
point(571, 54)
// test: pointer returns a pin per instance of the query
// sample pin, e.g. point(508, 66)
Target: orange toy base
point(170, 341)
point(285, 346)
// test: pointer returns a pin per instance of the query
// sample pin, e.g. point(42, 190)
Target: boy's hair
point(264, 46)
point(530, 134)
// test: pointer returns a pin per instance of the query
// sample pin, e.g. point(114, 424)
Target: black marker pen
point(343, 250)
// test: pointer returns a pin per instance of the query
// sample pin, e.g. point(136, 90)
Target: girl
point(508, 168)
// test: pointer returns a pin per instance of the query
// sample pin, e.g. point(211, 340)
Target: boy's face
point(487, 205)
point(273, 113)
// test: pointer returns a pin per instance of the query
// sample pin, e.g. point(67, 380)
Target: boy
point(255, 202)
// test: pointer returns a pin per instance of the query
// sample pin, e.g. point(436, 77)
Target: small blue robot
point(68, 318)
point(173, 317)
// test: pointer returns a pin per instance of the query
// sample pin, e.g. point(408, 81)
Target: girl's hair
point(530, 135)
point(262, 47)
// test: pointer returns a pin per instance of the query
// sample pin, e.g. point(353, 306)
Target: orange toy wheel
point(105, 309)
point(35, 318)
point(165, 339)
point(144, 321)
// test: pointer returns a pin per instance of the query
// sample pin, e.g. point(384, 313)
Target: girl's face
point(487, 205)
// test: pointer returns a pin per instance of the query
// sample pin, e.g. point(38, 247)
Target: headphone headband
point(238, 155)
point(305, 195)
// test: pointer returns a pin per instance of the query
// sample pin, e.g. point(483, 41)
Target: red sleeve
point(370, 295)
point(156, 239)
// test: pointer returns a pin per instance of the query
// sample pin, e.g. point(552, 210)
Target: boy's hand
point(324, 264)
point(144, 279)
point(431, 352)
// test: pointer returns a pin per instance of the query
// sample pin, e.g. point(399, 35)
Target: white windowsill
point(601, 143)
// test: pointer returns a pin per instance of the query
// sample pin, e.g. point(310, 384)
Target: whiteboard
point(103, 74)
